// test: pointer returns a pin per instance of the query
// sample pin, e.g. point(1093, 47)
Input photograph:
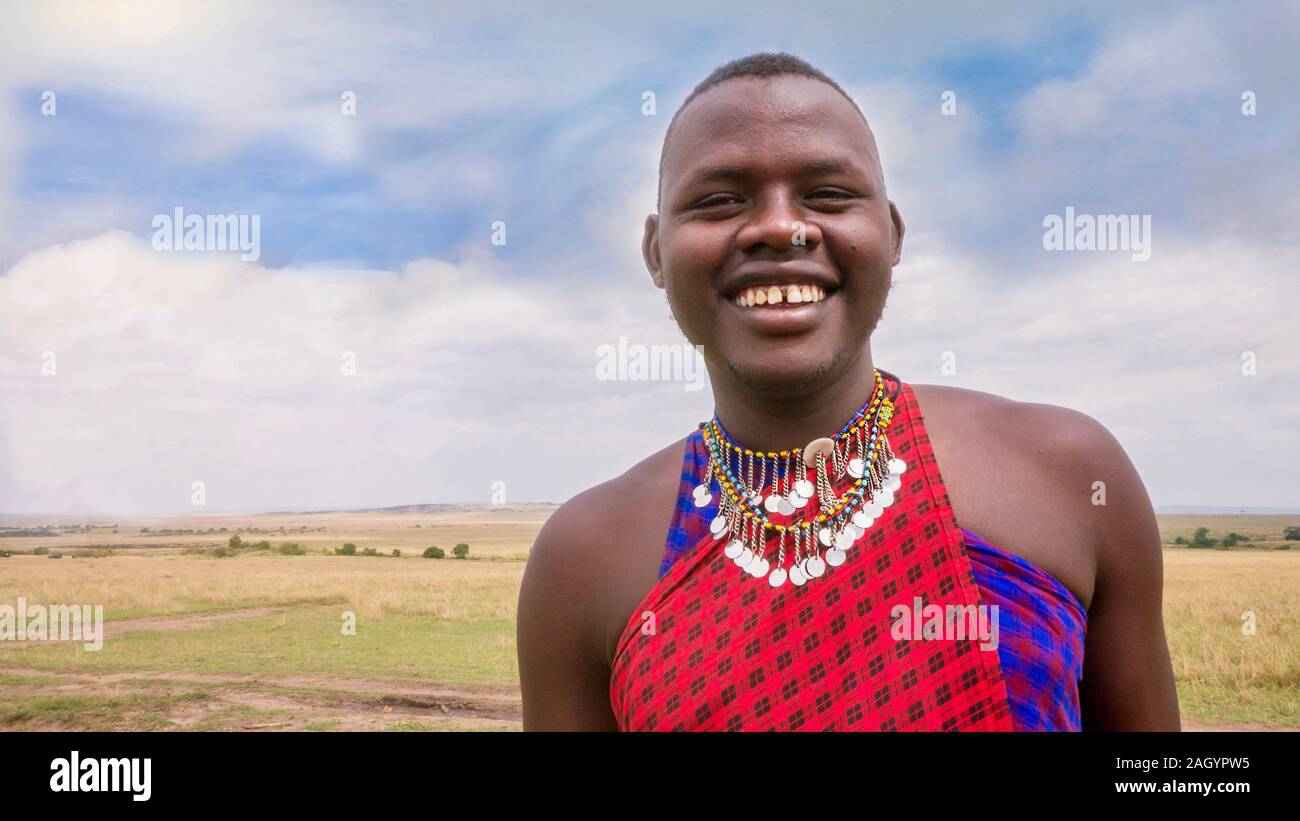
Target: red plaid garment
point(712, 648)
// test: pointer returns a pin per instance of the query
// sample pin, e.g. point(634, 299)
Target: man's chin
point(786, 376)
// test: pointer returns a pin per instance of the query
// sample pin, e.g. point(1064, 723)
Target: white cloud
point(175, 367)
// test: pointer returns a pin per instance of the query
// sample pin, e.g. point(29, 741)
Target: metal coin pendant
point(797, 577)
point(700, 490)
point(822, 445)
point(718, 526)
point(784, 507)
point(835, 557)
point(799, 501)
point(759, 568)
point(733, 549)
point(816, 567)
point(886, 497)
point(856, 468)
point(897, 466)
point(861, 520)
point(843, 541)
point(777, 577)
point(804, 488)
point(772, 504)
point(874, 508)
point(893, 483)
point(746, 556)
point(702, 501)
point(825, 537)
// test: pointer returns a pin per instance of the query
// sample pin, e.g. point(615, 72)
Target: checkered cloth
point(711, 648)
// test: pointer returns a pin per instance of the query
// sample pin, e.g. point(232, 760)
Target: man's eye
point(716, 200)
point(831, 193)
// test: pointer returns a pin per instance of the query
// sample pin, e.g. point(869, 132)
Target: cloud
point(179, 367)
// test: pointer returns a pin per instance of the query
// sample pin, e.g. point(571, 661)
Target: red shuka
point(712, 648)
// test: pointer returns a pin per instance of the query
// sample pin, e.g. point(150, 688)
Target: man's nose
point(780, 223)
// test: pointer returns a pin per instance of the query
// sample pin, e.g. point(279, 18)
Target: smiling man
point(800, 561)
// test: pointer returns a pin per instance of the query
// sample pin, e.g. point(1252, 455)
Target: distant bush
point(369, 551)
point(397, 554)
point(434, 553)
point(1291, 534)
point(1201, 538)
point(348, 549)
point(236, 542)
point(1180, 540)
point(291, 549)
point(41, 551)
point(460, 551)
point(1233, 539)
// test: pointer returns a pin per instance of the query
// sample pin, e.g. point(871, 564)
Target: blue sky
point(478, 359)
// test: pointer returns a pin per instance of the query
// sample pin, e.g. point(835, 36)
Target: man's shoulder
point(1057, 437)
point(574, 542)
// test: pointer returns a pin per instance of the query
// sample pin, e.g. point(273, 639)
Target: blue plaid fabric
point(1041, 629)
point(1041, 624)
point(689, 523)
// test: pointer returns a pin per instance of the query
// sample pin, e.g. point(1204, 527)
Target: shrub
point(369, 551)
point(291, 549)
point(460, 551)
point(41, 551)
point(348, 549)
point(434, 553)
point(1201, 538)
point(236, 542)
point(397, 554)
point(1233, 539)
point(1291, 534)
point(1180, 540)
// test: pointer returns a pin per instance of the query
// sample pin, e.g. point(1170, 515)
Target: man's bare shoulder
point(575, 542)
point(1054, 436)
point(1046, 482)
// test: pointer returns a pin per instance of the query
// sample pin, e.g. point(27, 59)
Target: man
point(775, 242)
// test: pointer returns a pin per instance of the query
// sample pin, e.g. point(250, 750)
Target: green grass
point(322, 726)
point(300, 643)
point(137, 711)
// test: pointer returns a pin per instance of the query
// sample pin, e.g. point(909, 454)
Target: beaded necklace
point(757, 485)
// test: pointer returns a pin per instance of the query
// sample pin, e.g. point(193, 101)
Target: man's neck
point(776, 423)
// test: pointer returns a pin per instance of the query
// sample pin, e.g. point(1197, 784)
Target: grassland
point(257, 641)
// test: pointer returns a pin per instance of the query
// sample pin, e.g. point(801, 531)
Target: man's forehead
point(753, 112)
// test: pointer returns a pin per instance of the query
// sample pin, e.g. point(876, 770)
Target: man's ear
point(650, 250)
point(899, 229)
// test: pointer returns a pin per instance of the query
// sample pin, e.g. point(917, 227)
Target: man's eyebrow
point(718, 173)
point(726, 173)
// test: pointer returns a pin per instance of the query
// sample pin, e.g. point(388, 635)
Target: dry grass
point(450, 620)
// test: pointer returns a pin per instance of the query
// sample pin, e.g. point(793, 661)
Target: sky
point(387, 347)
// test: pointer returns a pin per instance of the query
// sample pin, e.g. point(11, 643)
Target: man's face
point(749, 160)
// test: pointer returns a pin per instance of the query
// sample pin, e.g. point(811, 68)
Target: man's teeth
point(776, 294)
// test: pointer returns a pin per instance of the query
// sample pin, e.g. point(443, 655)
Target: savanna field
point(283, 633)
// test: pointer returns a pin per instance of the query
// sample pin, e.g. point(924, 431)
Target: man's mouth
point(777, 296)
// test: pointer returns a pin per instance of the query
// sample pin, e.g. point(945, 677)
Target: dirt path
point(294, 703)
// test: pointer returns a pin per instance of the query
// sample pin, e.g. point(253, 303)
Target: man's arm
point(562, 670)
point(1128, 681)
